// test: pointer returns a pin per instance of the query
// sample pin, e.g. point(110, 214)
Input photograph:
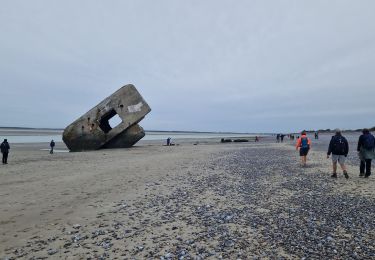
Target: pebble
point(76, 226)
point(52, 251)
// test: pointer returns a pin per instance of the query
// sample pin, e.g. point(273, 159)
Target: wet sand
point(211, 200)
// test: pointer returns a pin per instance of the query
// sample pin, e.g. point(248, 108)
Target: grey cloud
point(246, 66)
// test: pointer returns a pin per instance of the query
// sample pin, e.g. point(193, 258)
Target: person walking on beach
point(5, 150)
point(277, 138)
point(51, 145)
point(339, 148)
point(366, 152)
point(304, 145)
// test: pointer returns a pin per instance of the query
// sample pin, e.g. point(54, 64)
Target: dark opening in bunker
point(109, 121)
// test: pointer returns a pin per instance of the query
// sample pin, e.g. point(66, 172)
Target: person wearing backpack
point(304, 145)
point(366, 152)
point(339, 148)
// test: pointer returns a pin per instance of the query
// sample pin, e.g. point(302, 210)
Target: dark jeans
point(5, 158)
point(365, 164)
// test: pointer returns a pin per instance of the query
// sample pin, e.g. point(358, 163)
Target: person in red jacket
point(304, 145)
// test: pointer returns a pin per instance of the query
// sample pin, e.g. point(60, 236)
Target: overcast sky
point(245, 66)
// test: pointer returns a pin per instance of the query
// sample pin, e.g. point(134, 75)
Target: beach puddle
point(56, 151)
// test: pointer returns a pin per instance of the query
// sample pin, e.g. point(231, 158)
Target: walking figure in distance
point(366, 152)
point(339, 148)
point(51, 145)
point(5, 150)
point(304, 145)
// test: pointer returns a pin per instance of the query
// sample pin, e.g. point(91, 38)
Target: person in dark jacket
point(5, 150)
point(168, 141)
point(51, 145)
point(339, 148)
point(366, 152)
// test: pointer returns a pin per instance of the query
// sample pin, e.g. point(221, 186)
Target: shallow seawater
point(56, 150)
point(15, 139)
point(35, 137)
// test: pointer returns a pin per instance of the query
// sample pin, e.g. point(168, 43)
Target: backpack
point(369, 142)
point(339, 145)
point(304, 142)
point(4, 147)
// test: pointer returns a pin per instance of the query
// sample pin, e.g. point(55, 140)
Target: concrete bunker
point(113, 123)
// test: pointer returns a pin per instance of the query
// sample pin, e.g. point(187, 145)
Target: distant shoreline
point(29, 128)
point(8, 128)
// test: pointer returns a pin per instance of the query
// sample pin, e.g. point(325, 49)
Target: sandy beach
point(210, 200)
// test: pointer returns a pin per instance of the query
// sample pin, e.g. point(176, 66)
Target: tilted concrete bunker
point(93, 131)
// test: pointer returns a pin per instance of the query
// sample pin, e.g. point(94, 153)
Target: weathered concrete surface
point(126, 139)
point(92, 130)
